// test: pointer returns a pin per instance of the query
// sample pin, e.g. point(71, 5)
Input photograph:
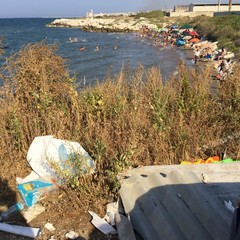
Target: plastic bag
point(32, 191)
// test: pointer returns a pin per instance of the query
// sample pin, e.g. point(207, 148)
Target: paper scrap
point(101, 224)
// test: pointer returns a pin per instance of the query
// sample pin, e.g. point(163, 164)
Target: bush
point(150, 14)
point(131, 120)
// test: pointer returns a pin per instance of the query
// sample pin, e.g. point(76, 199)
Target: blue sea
point(88, 66)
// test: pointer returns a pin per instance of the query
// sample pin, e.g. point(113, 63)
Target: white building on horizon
point(208, 9)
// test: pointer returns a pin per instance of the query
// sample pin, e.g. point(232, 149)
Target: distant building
point(213, 7)
point(90, 14)
point(181, 8)
point(208, 9)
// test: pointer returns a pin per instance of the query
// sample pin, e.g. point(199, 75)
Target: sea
point(117, 50)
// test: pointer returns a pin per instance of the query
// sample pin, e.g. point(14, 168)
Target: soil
point(65, 215)
point(64, 209)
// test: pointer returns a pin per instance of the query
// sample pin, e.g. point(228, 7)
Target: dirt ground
point(65, 210)
point(65, 214)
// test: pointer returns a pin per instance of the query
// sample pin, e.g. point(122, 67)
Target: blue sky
point(76, 8)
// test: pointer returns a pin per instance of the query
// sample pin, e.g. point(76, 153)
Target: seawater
point(88, 66)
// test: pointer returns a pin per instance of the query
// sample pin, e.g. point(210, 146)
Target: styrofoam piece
point(101, 224)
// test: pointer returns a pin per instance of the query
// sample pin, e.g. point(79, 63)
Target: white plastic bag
point(47, 150)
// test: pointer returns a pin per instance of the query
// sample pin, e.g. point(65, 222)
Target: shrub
point(130, 120)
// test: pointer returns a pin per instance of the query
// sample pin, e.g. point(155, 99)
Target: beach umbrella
point(186, 26)
point(194, 40)
point(187, 37)
point(180, 42)
point(174, 26)
point(193, 33)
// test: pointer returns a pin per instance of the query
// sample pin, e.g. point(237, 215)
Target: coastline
point(105, 23)
point(142, 26)
point(124, 24)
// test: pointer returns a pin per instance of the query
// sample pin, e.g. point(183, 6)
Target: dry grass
point(132, 120)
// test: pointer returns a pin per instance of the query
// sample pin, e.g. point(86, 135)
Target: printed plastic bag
point(37, 189)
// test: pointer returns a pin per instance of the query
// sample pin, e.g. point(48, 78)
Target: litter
point(46, 151)
point(229, 206)
point(34, 190)
point(20, 230)
point(49, 227)
point(14, 209)
point(112, 209)
point(32, 212)
point(71, 235)
point(101, 224)
point(205, 178)
point(44, 154)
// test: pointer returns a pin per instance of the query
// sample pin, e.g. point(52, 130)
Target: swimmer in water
point(97, 49)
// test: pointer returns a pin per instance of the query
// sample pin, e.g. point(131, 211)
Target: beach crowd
point(174, 36)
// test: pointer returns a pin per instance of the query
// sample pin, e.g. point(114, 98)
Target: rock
point(107, 24)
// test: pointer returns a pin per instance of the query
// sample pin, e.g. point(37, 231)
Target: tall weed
point(130, 120)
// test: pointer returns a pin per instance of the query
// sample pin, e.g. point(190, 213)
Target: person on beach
point(173, 45)
point(196, 55)
point(223, 69)
point(209, 54)
point(221, 55)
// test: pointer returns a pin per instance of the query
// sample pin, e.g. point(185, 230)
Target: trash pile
point(44, 155)
point(213, 159)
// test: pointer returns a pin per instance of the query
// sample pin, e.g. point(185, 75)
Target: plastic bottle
point(14, 209)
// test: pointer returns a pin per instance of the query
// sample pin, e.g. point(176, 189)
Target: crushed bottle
point(14, 209)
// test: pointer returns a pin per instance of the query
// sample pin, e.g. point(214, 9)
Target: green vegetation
point(131, 120)
point(1, 45)
point(224, 29)
point(157, 14)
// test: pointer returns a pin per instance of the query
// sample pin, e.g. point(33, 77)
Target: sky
point(78, 8)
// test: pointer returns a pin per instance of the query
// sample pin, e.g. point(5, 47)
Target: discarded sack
point(46, 151)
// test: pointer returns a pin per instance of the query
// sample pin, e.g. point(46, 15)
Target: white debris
point(112, 208)
point(32, 212)
point(49, 227)
point(71, 235)
point(229, 206)
point(205, 178)
point(20, 230)
point(52, 238)
point(101, 224)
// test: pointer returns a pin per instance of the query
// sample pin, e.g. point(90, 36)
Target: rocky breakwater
point(104, 24)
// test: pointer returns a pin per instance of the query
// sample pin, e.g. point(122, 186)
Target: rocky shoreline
point(105, 23)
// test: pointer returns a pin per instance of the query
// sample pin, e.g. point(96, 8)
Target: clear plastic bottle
point(14, 209)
